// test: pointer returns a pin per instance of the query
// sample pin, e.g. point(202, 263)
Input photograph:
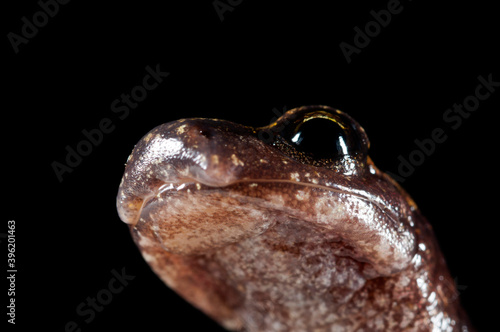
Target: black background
point(260, 57)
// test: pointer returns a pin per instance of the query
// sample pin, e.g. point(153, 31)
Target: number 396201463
point(11, 244)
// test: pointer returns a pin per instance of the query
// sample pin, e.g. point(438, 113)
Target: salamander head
point(286, 217)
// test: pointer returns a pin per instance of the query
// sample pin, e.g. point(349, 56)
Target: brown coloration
point(263, 236)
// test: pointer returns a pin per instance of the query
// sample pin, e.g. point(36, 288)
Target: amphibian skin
point(288, 227)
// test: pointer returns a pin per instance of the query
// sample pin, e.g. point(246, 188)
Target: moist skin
point(263, 236)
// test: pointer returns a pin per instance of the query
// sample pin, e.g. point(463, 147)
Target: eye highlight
point(324, 135)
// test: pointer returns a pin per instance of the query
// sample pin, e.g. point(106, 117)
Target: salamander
point(286, 227)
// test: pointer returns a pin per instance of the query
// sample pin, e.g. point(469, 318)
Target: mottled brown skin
point(263, 237)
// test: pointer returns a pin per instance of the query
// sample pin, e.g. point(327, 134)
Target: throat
point(313, 285)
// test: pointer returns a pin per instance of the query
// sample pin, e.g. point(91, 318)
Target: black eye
point(324, 135)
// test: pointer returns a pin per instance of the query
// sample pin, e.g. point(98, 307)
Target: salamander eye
point(325, 135)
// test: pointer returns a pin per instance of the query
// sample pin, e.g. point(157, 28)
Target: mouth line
point(187, 180)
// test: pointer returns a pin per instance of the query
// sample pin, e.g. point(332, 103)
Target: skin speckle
point(181, 129)
point(215, 159)
point(236, 161)
point(302, 195)
point(151, 259)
